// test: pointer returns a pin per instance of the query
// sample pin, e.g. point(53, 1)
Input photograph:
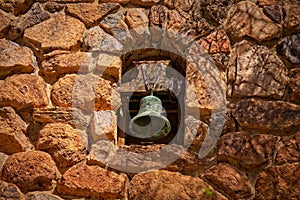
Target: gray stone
point(15, 59)
point(41, 196)
point(96, 39)
point(9, 191)
point(34, 16)
point(116, 26)
point(104, 126)
point(289, 48)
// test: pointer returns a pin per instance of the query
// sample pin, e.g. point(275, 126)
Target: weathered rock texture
point(41, 196)
point(10, 191)
point(294, 85)
point(15, 59)
point(92, 181)
point(290, 151)
point(34, 16)
point(233, 182)
point(91, 14)
point(246, 19)
point(32, 170)
point(24, 90)
point(64, 84)
point(63, 143)
point(13, 130)
point(170, 185)
point(71, 116)
point(55, 33)
point(279, 182)
point(87, 92)
point(267, 116)
point(67, 62)
point(246, 150)
point(256, 71)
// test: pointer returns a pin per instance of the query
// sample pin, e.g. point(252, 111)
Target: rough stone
point(10, 191)
point(63, 143)
point(3, 158)
point(197, 29)
point(109, 66)
point(116, 26)
point(16, 6)
point(294, 84)
point(70, 62)
point(53, 7)
point(216, 10)
point(141, 158)
point(30, 171)
point(274, 12)
point(69, 1)
point(185, 5)
point(177, 159)
point(34, 16)
point(71, 116)
point(95, 39)
point(92, 181)
point(20, 91)
point(216, 42)
point(55, 33)
point(105, 154)
point(230, 180)
point(204, 93)
point(246, 19)
point(13, 130)
point(104, 125)
point(137, 20)
point(268, 2)
point(292, 15)
point(5, 21)
point(175, 22)
point(15, 59)
point(170, 185)
point(195, 131)
point(255, 71)
point(221, 60)
point(247, 151)
point(289, 48)
point(158, 16)
point(88, 92)
point(144, 2)
point(41, 196)
point(267, 116)
point(89, 14)
point(279, 182)
point(115, 1)
point(290, 151)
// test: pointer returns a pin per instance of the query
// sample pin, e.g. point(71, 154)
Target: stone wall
point(54, 141)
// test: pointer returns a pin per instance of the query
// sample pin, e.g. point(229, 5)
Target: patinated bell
point(149, 122)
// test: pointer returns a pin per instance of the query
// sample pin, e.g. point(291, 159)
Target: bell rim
point(154, 114)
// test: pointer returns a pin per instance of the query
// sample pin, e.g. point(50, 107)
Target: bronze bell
point(149, 122)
